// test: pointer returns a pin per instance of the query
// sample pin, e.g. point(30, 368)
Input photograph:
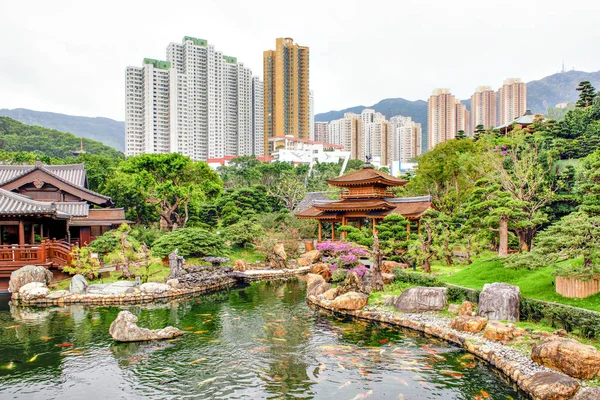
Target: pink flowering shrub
point(344, 255)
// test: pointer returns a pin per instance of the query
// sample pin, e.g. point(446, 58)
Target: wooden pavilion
point(365, 199)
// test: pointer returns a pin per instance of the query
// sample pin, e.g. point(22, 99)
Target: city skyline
point(73, 66)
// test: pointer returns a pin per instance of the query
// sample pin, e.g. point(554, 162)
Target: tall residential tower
point(512, 100)
point(441, 117)
point(483, 107)
point(286, 91)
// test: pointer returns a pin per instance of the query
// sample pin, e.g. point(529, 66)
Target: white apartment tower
point(199, 103)
point(483, 108)
point(406, 139)
point(321, 130)
point(512, 100)
point(441, 117)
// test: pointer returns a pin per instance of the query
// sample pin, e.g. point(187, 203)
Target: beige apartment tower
point(441, 117)
point(463, 118)
point(512, 101)
point(483, 108)
point(286, 91)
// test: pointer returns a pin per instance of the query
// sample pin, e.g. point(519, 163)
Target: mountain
point(104, 130)
point(16, 136)
point(542, 95)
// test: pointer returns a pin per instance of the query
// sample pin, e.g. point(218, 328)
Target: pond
point(251, 342)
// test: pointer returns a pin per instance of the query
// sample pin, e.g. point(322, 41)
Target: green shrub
point(190, 242)
point(338, 275)
point(146, 235)
point(111, 240)
point(243, 233)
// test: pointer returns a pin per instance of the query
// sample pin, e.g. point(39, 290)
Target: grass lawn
point(536, 284)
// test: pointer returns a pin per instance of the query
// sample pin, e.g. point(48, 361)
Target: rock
point(309, 258)
point(279, 251)
point(466, 309)
point(420, 298)
point(387, 267)
point(350, 301)
point(155, 288)
point(468, 324)
point(590, 393)
point(176, 265)
point(551, 386)
point(28, 274)
point(57, 294)
point(78, 285)
point(125, 329)
point(33, 290)
point(500, 301)
point(277, 259)
point(117, 288)
point(315, 285)
point(330, 294)
point(174, 283)
point(240, 265)
point(561, 333)
point(390, 301)
point(388, 278)
point(321, 269)
point(352, 283)
point(567, 355)
point(453, 308)
point(499, 331)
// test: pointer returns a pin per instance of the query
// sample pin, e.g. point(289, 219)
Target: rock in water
point(569, 356)
point(500, 301)
point(468, 324)
point(79, 285)
point(321, 269)
point(419, 299)
point(155, 288)
point(350, 301)
point(551, 386)
point(309, 258)
point(33, 290)
point(28, 274)
point(315, 285)
point(125, 329)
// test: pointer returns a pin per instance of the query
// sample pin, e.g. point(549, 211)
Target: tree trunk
point(376, 278)
point(503, 232)
point(426, 266)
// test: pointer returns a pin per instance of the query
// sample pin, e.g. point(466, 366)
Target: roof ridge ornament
point(368, 161)
point(38, 163)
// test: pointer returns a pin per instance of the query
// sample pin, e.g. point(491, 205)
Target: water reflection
point(257, 341)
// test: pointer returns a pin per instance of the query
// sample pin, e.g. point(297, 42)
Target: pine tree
point(587, 95)
point(461, 135)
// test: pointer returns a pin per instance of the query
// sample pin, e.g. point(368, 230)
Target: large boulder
point(330, 294)
point(176, 265)
point(453, 308)
point(57, 294)
point(278, 258)
point(321, 269)
point(78, 285)
point(309, 258)
point(350, 301)
point(468, 324)
point(420, 298)
point(155, 288)
point(240, 265)
point(118, 288)
point(551, 386)
point(466, 309)
point(125, 329)
point(315, 285)
point(387, 267)
point(499, 301)
point(352, 283)
point(28, 274)
point(388, 278)
point(496, 330)
point(569, 356)
point(33, 290)
point(590, 393)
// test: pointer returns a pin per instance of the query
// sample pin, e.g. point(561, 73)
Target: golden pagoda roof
point(366, 176)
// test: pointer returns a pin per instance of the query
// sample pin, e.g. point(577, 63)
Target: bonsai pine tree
point(586, 95)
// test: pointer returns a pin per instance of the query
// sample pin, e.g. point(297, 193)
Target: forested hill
point(103, 130)
point(16, 136)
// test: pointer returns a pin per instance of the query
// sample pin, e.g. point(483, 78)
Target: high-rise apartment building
point(405, 139)
point(200, 103)
point(462, 118)
point(322, 132)
point(376, 132)
point(311, 115)
point(483, 108)
point(441, 117)
point(347, 132)
point(512, 101)
point(286, 91)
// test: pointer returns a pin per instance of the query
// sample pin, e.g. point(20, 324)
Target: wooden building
point(365, 200)
point(44, 210)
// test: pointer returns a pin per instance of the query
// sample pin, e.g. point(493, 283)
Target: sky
point(70, 56)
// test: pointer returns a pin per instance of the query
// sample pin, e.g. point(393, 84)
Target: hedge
point(586, 322)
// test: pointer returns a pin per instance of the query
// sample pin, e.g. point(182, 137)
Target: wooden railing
point(57, 252)
point(369, 191)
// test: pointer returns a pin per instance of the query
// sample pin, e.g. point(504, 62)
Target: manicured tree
point(376, 278)
point(288, 188)
point(589, 184)
point(461, 134)
point(586, 95)
point(478, 132)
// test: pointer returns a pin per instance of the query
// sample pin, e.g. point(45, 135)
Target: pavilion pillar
point(408, 227)
point(21, 233)
point(419, 226)
point(344, 222)
point(32, 237)
point(320, 231)
point(332, 231)
point(358, 223)
point(1, 234)
point(374, 226)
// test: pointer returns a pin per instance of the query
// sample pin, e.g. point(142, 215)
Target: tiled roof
point(75, 208)
point(15, 204)
point(311, 198)
point(358, 204)
point(365, 176)
point(75, 174)
point(409, 207)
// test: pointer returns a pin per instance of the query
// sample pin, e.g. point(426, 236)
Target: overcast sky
point(70, 56)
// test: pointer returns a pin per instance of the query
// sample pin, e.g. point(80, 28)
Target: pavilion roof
point(15, 204)
point(365, 176)
point(355, 205)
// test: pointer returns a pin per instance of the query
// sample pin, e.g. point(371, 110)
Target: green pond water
point(252, 342)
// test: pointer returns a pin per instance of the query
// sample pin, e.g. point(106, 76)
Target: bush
point(243, 233)
point(338, 275)
point(190, 242)
point(146, 235)
point(111, 240)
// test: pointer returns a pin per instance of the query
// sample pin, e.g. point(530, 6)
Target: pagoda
point(365, 199)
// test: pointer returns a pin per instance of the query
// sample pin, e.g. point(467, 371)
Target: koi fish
point(345, 384)
point(199, 332)
point(402, 381)
point(65, 344)
point(382, 341)
point(341, 366)
point(209, 380)
point(279, 333)
point(198, 361)
point(363, 395)
point(10, 365)
point(12, 327)
point(484, 394)
point(188, 328)
point(259, 350)
point(401, 396)
point(45, 338)
point(452, 374)
point(32, 359)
